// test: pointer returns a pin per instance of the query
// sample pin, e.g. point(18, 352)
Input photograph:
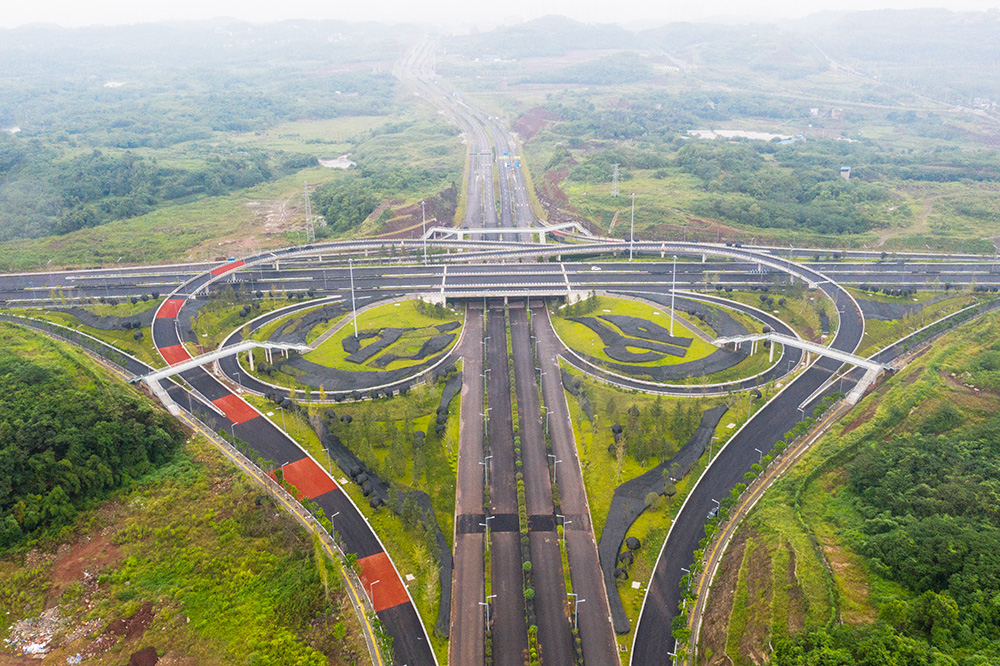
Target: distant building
point(845, 173)
point(836, 114)
point(814, 113)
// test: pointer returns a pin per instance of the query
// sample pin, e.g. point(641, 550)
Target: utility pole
point(310, 230)
point(673, 294)
point(631, 234)
point(354, 309)
point(423, 225)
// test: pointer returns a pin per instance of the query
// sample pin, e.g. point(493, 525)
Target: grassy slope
point(828, 578)
point(141, 349)
point(225, 579)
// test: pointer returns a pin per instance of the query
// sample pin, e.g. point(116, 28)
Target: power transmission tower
point(614, 181)
point(310, 230)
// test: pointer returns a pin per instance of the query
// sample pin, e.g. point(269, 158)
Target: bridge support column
point(704, 258)
point(250, 356)
point(268, 357)
point(435, 299)
point(663, 251)
point(770, 357)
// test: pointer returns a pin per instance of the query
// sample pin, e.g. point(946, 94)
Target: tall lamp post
point(631, 234)
point(354, 308)
point(673, 294)
point(423, 226)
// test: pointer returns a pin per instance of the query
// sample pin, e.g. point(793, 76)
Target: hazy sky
point(89, 12)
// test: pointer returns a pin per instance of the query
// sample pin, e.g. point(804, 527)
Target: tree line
point(67, 439)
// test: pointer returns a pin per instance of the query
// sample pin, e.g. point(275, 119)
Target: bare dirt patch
point(796, 601)
point(131, 629)
point(853, 583)
point(532, 122)
point(754, 642)
point(88, 557)
point(715, 620)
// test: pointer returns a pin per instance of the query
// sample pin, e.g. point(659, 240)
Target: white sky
point(76, 13)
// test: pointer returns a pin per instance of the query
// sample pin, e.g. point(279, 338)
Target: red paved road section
point(235, 409)
point(226, 268)
point(174, 354)
point(389, 590)
point(170, 308)
point(308, 477)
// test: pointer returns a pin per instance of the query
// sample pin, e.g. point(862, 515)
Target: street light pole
point(423, 226)
point(555, 463)
point(354, 309)
point(673, 293)
point(485, 462)
point(487, 526)
point(631, 242)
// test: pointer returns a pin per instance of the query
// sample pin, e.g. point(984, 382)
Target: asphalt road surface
point(467, 616)
point(510, 628)
point(551, 608)
point(594, 622)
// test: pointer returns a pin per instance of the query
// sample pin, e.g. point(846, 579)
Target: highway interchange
point(488, 272)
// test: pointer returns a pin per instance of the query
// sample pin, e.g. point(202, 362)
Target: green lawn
point(395, 315)
point(582, 339)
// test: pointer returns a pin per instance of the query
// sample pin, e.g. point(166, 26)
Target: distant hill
point(614, 69)
point(547, 36)
point(951, 55)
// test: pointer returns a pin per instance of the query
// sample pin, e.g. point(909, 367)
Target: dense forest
point(68, 436)
point(927, 519)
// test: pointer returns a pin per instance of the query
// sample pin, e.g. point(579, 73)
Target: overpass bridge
point(211, 357)
point(872, 368)
point(463, 233)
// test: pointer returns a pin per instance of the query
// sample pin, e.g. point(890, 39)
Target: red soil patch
point(235, 409)
point(131, 629)
point(228, 267)
point(308, 477)
point(85, 559)
point(532, 122)
point(170, 308)
point(144, 657)
point(174, 354)
point(388, 591)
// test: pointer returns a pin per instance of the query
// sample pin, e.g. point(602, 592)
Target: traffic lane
point(408, 640)
point(510, 628)
point(469, 490)
point(535, 465)
point(503, 487)
point(595, 629)
point(547, 570)
point(596, 634)
point(554, 636)
point(467, 617)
